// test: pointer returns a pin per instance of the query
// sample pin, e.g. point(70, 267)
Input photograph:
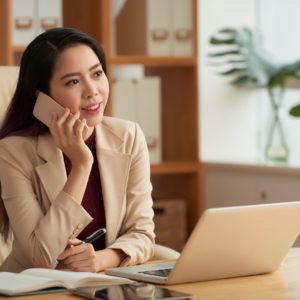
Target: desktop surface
point(284, 284)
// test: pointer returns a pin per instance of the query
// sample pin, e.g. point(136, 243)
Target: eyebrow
point(78, 73)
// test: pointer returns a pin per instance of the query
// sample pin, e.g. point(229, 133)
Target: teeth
point(92, 107)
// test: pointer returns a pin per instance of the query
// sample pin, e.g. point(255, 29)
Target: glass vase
point(276, 150)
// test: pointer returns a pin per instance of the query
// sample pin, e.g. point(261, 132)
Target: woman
point(60, 185)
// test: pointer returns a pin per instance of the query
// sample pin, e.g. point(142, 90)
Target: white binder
point(124, 100)
point(24, 21)
point(149, 115)
point(155, 28)
point(32, 17)
point(159, 25)
point(139, 101)
point(49, 14)
point(182, 27)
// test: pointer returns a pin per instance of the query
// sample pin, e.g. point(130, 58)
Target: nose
point(90, 89)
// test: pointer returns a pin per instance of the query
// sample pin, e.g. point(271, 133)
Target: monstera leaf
point(295, 111)
point(244, 58)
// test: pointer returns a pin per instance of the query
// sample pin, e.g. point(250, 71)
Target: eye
point(99, 73)
point(72, 82)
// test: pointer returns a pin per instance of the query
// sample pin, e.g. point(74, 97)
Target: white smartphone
point(44, 107)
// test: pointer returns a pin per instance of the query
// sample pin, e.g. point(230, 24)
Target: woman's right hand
point(68, 132)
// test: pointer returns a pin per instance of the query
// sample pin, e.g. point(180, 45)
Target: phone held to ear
point(45, 106)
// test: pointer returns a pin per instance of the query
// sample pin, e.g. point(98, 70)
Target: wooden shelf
point(174, 168)
point(153, 61)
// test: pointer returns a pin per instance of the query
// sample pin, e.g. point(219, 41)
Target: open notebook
point(35, 281)
point(228, 242)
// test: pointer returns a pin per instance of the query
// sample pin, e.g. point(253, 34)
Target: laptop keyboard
point(161, 273)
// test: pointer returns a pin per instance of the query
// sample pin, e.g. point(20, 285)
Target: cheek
point(106, 91)
point(72, 104)
point(66, 100)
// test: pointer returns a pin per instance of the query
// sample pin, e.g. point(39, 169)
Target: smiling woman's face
point(80, 84)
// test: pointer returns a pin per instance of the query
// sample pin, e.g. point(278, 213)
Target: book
point(38, 280)
point(139, 100)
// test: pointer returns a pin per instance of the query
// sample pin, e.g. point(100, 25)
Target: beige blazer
point(42, 216)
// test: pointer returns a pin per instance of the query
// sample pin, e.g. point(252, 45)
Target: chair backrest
point(8, 80)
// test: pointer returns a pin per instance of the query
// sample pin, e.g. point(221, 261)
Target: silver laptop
point(227, 242)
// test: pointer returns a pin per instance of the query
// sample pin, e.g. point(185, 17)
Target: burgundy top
point(93, 198)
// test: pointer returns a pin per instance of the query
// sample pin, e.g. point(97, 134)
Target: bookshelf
point(179, 174)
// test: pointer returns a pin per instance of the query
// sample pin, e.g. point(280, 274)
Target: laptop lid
point(230, 242)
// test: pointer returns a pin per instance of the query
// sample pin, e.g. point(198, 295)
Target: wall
point(234, 121)
point(228, 115)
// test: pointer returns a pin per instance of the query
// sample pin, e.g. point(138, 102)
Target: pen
point(91, 238)
point(94, 236)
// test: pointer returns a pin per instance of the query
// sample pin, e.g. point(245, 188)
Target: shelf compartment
point(179, 112)
point(180, 186)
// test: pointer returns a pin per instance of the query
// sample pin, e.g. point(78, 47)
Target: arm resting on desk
point(163, 252)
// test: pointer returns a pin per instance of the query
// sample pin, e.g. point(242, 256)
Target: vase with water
point(276, 150)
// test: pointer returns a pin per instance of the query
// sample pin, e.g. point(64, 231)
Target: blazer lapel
point(52, 173)
point(114, 169)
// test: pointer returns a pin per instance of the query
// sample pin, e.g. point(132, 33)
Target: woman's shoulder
point(19, 152)
point(17, 144)
point(18, 140)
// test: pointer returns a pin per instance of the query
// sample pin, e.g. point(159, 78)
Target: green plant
point(246, 60)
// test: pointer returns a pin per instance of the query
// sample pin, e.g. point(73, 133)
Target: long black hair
point(36, 70)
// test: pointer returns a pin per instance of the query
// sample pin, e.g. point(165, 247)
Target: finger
point(79, 264)
point(62, 118)
point(86, 256)
point(84, 266)
point(72, 259)
point(56, 125)
point(75, 250)
point(70, 124)
point(69, 252)
point(85, 130)
point(81, 127)
point(74, 242)
point(54, 130)
point(53, 121)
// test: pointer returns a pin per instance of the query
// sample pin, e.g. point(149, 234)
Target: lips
point(93, 108)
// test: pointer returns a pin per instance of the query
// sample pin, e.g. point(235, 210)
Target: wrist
point(82, 165)
point(109, 258)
